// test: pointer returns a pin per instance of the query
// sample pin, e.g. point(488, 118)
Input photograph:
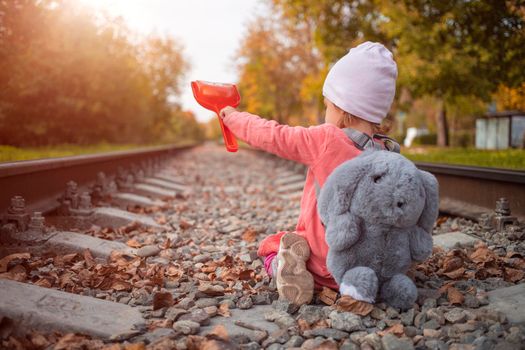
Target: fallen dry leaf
point(454, 296)
point(90, 261)
point(327, 296)
point(4, 262)
point(183, 224)
point(220, 331)
point(224, 310)
point(456, 274)
point(513, 275)
point(136, 346)
point(396, 329)
point(162, 299)
point(133, 243)
point(249, 235)
point(348, 304)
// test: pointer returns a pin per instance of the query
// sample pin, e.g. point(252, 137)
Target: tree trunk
point(442, 127)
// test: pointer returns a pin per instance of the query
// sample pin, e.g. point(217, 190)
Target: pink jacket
point(322, 148)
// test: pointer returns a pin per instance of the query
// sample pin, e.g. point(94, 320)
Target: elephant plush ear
point(431, 208)
point(335, 196)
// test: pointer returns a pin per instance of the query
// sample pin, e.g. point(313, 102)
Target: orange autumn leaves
point(480, 263)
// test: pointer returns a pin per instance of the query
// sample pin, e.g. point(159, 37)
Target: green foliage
point(430, 139)
point(69, 77)
point(11, 153)
point(507, 159)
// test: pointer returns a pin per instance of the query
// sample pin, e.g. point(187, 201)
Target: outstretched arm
point(420, 244)
point(303, 145)
point(342, 231)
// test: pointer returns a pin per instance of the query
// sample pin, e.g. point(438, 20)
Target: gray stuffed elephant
point(378, 210)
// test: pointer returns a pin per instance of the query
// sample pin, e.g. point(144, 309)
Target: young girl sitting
point(358, 91)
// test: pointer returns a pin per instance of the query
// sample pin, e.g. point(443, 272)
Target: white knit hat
point(363, 82)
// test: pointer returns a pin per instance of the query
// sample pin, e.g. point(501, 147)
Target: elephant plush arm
point(342, 231)
point(420, 244)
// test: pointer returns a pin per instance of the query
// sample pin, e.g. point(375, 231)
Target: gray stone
point(285, 306)
point(253, 316)
point(471, 301)
point(205, 302)
point(311, 313)
point(48, 309)
point(407, 318)
point(346, 321)
point(148, 250)
point(294, 342)
point(436, 314)
point(373, 340)
point(420, 319)
point(154, 336)
point(391, 342)
point(245, 302)
point(186, 327)
point(349, 345)
point(454, 239)
point(173, 313)
point(250, 346)
point(335, 334)
point(358, 336)
point(377, 313)
point(455, 315)
point(431, 324)
point(165, 184)
point(391, 312)
point(262, 298)
point(198, 315)
point(280, 336)
point(436, 344)
point(186, 303)
point(275, 346)
point(410, 331)
point(510, 301)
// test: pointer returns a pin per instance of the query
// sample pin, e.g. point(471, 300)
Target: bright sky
point(210, 31)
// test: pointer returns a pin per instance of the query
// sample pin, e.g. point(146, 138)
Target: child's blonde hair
point(346, 121)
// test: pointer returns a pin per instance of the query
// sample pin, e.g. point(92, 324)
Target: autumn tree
point(451, 50)
point(67, 76)
point(275, 61)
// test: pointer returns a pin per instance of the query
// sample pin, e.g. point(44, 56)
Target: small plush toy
point(378, 210)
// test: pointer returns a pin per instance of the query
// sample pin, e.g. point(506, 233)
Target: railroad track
point(159, 250)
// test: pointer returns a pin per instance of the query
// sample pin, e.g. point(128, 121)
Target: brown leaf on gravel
point(249, 235)
point(303, 325)
point(17, 273)
point(162, 299)
point(161, 220)
point(246, 275)
point(120, 285)
point(348, 304)
point(452, 263)
point(90, 261)
point(456, 274)
point(513, 275)
point(454, 296)
point(43, 282)
point(224, 310)
point(327, 296)
point(136, 346)
point(4, 262)
point(396, 329)
point(183, 224)
point(220, 331)
point(133, 243)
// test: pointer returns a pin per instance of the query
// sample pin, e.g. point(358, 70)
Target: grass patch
point(506, 159)
point(11, 154)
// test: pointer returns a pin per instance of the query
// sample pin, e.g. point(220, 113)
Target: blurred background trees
point(67, 76)
point(455, 57)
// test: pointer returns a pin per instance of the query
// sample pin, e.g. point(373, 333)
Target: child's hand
point(226, 111)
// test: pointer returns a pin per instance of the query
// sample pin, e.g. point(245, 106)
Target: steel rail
point(41, 181)
point(471, 191)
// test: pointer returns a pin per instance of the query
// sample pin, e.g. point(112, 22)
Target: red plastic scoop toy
point(216, 96)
